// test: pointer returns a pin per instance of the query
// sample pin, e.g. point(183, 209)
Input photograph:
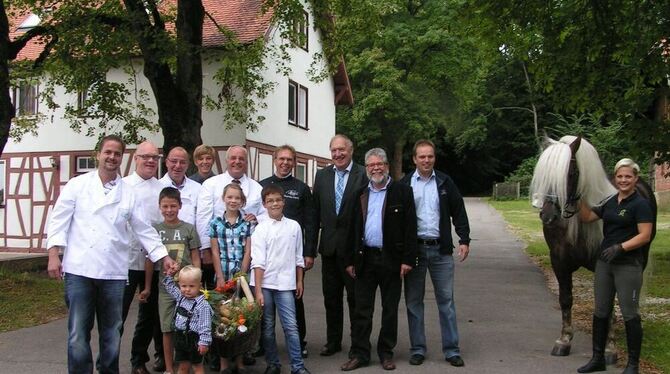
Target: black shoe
point(140, 370)
point(634, 344)
point(215, 364)
point(272, 369)
point(301, 371)
point(248, 359)
point(329, 351)
point(259, 352)
point(303, 351)
point(455, 361)
point(599, 340)
point(159, 365)
point(416, 359)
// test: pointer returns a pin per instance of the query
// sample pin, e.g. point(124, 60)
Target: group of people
point(120, 236)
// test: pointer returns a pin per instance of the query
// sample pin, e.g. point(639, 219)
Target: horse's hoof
point(610, 358)
point(560, 350)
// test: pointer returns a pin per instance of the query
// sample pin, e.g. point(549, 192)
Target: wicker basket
point(239, 344)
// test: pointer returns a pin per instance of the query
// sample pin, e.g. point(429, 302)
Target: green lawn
point(525, 222)
point(29, 299)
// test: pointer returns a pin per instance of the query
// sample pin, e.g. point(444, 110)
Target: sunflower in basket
point(233, 316)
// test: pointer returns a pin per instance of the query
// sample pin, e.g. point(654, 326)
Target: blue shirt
point(427, 204)
point(373, 222)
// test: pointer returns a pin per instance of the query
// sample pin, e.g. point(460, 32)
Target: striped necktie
point(339, 189)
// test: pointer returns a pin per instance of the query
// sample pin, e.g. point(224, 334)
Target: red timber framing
point(33, 182)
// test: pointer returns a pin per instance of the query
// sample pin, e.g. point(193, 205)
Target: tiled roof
point(244, 18)
point(32, 50)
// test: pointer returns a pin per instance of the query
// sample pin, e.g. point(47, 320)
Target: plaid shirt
point(231, 239)
point(201, 321)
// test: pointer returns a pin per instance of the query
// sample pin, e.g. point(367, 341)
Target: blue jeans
point(441, 268)
point(88, 298)
point(284, 303)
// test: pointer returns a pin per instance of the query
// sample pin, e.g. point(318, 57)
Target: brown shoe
point(353, 364)
point(388, 364)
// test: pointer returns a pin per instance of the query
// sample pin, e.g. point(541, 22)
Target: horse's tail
point(644, 189)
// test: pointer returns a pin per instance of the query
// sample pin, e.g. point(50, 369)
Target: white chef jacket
point(276, 247)
point(146, 195)
point(210, 202)
point(93, 228)
point(189, 197)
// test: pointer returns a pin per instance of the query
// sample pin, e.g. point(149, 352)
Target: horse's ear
point(574, 146)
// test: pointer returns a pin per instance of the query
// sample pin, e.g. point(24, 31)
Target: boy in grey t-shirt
point(182, 242)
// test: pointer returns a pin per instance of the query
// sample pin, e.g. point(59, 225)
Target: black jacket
point(452, 208)
point(398, 226)
point(299, 206)
point(336, 230)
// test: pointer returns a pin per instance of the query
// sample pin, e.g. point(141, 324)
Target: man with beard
point(384, 252)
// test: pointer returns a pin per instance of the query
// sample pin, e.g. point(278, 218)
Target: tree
point(84, 39)
point(414, 70)
point(606, 59)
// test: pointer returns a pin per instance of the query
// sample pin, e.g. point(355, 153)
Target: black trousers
point(378, 270)
point(334, 281)
point(148, 323)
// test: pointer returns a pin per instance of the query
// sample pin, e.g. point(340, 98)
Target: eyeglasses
point(373, 165)
point(149, 157)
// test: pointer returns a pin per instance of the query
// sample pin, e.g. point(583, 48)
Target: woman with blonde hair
point(628, 220)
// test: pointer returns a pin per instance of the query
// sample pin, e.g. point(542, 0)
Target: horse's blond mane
point(550, 179)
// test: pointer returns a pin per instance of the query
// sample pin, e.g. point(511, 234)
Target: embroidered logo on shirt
point(622, 213)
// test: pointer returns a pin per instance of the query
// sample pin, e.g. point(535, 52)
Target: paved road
point(507, 319)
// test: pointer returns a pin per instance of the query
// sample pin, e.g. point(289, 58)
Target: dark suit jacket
point(452, 208)
point(398, 226)
point(335, 229)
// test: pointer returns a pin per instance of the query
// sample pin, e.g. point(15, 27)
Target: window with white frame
point(25, 99)
point(301, 172)
point(3, 176)
point(84, 164)
point(82, 96)
point(301, 28)
point(297, 104)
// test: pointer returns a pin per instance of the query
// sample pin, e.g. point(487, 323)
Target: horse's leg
point(563, 343)
point(610, 349)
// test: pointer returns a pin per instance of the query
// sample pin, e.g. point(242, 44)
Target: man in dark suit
point(384, 251)
point(334, 191)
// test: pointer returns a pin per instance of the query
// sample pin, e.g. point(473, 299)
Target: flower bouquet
point(237, 317)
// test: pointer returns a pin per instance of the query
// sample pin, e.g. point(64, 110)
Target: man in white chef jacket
point(147, 327)
point(177, 162)
point(90, 223)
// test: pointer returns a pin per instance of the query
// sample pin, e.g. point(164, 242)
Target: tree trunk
point(396, 164)
point(6, 107)
point(178, 98)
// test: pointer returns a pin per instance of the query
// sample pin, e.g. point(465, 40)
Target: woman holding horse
point(627, 231)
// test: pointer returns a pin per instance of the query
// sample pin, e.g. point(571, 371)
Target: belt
point(372, 250)
point(428, 241)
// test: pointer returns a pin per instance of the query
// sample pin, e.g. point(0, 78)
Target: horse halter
point(570, 208)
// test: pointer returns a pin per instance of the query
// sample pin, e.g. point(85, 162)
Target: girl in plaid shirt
point(193, 319)
point(231, 250)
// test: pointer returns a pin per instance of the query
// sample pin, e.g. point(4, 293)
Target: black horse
point(567, 172)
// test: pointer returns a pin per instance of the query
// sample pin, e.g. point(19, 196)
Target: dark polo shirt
point(620, 224)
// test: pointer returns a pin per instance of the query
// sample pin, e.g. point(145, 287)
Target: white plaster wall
point(321, 103)
point(54, 133)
